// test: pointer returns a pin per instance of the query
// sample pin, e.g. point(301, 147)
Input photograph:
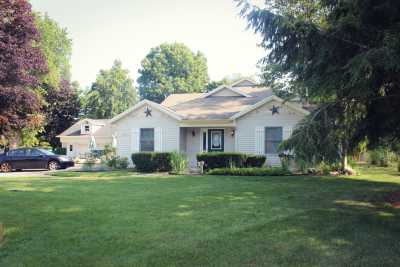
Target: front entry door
point(215, 140)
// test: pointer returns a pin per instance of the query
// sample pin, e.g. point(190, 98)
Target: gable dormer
point(86, 127)
point(225, 90)
point(244, 83)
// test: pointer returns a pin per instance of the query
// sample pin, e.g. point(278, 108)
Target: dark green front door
point(215, 140)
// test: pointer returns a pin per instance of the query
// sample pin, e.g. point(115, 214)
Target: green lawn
point(121, 219)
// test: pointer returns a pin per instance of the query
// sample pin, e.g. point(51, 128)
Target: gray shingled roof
point(195, 107)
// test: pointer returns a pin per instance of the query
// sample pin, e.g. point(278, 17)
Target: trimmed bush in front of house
point(215, 160)
point(152, 161)
point(250, 171)
point(255, 161)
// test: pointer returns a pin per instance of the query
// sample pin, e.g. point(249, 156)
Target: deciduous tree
point(112, 93)
point(21, 64)
point(62, 110)
point(56, 45)
point(172, 68)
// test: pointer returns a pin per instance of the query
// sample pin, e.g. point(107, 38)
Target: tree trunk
point(345, 165)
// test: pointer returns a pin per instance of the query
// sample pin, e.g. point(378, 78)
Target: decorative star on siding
point(275, 109)
point(147, 112)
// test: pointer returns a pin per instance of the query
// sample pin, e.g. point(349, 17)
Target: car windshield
point(46, 152)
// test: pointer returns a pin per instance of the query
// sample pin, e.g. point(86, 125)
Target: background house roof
point(75, 130)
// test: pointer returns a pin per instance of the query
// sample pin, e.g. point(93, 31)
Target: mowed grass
point(122, 219)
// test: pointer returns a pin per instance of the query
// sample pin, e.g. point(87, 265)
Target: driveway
point(28, 173)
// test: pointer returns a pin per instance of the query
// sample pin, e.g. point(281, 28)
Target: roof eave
point(159, 107)
point(265, 101)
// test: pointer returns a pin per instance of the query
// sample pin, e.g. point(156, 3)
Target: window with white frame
point(273, 138)
point(147, 139)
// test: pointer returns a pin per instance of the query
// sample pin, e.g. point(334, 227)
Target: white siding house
point(77, 138)
point(242, 117)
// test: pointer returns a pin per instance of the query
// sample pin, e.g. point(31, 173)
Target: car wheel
point(53, 165)
point(5, 167)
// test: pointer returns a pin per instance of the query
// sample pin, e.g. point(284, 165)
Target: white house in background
point(241, 117)
point(78, 138)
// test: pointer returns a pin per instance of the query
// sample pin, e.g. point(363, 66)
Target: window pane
point(32, 152)
point(273, 138)
point(17, 152)
point(147, 139)
point(216, 140)
point(204, 141)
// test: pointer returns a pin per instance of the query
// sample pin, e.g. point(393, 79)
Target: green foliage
point(227, 80)
point(325, 168)
point(111, 94)
point(179, 163)
point(250, 171)
point(172, 68)
point(117, 163)
point(398, 166)
point(338, 53)
point(313, 141)
point(285, 160)
point(254, 160)
point(2, 233)
point(152, 161)
point(57, 48)
point(379, 157)
point(61, 110)
point(214, 160)
point(109, 152)
point(113, 161)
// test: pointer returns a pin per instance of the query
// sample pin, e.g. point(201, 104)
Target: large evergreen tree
point(112, 93)
point(21, 63)
point(172, 68)
point(344, 54)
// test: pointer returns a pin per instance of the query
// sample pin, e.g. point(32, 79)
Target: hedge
point(250, 171)
point(255, 161)
point(152, 161)
point(215, 160)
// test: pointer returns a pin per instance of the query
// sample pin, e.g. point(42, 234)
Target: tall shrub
point(179, 163)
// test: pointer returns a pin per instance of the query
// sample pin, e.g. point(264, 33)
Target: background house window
point(70, 147)
point(147, 140)
point(87, 128)
point(273, 137)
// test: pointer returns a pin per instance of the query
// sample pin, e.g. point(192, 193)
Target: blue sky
point(105, 30)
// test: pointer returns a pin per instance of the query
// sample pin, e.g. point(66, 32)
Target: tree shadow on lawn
point(302, 221)
point(325, 221)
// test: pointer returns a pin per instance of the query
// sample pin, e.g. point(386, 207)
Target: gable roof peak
point(246, 82)
point(226, 87)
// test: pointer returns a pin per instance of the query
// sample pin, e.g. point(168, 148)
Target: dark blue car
point(33, 158)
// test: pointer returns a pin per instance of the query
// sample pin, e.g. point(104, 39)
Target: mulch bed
point(393, 199)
